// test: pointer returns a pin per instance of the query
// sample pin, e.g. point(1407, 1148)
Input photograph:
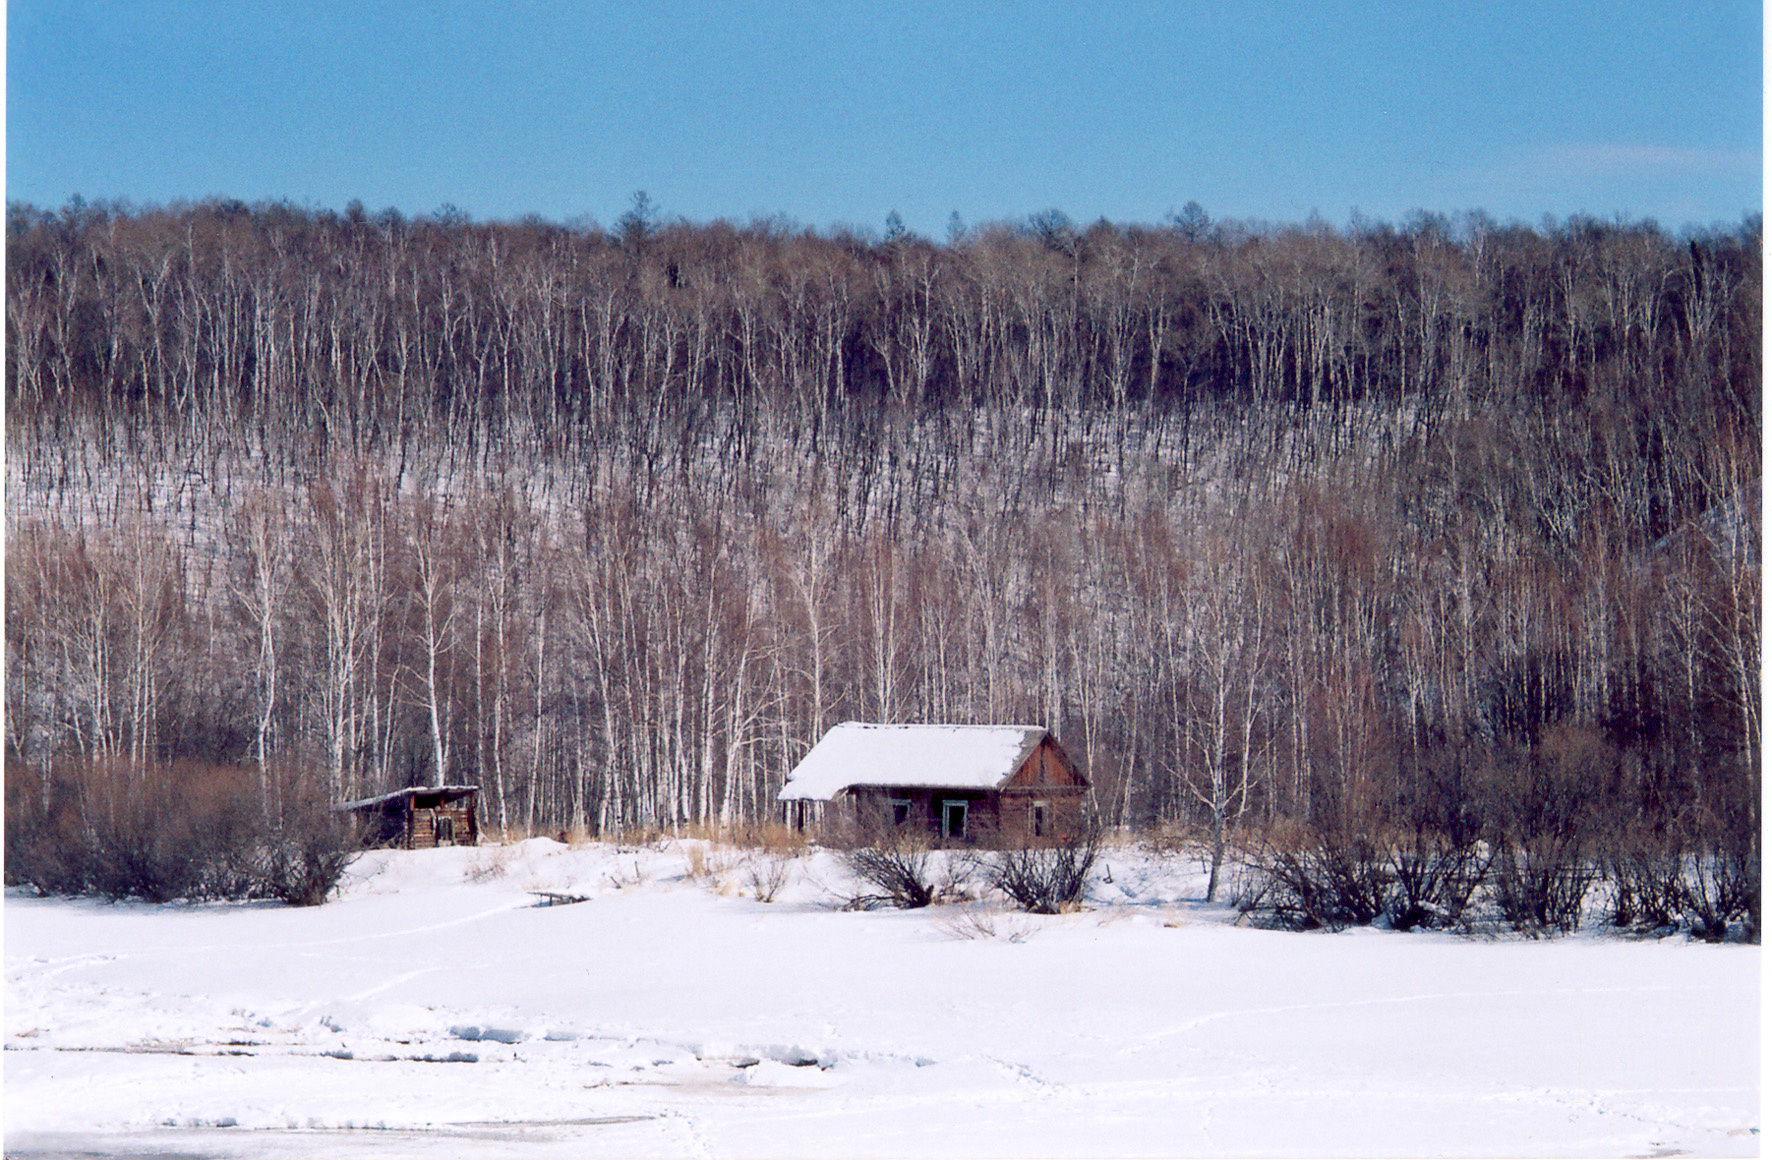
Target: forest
point(1304, 540)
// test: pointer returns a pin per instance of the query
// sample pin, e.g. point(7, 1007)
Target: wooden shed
point(418, 817)
point(986, 785)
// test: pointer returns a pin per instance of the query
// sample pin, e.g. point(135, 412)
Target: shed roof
point(449, 793)
point(924, 756)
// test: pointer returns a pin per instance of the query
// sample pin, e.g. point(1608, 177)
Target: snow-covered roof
point(448, 791)
point(934, 756)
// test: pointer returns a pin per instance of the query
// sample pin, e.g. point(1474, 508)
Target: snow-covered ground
point(435, 1010)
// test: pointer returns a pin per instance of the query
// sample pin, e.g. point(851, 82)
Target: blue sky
point(841, 112)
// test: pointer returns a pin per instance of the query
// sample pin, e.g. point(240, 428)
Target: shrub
point(1046, 877)
point(1646, 873)
point(1721, 885)
point(1436, 875)
point(1318, 878)
point(896, 861)
point(306, 856)
point(1540, 885)
point(1547, 824)
point(161, 832)
point(766, 873)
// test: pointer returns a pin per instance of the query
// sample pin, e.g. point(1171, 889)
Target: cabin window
point(1040, 819)
point(901, 811)
point(445, 831)
point(953, 819)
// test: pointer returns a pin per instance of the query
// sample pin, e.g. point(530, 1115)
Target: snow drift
point(437, 1009)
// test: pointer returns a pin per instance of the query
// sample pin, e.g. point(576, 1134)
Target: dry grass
point(488, 863)
point(620, 880)
point(771, 838)
point(984, 922)
point(577, 837)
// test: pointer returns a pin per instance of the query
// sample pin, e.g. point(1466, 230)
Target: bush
point(1541, 885)
point(168, 832)
point(896, 861)
point(1720, 886)
point(766, 873)
point(1645, 870)
point(1047, 877)
point(1547, 824)
point(1436, 876)
point(306, 856)
point(1309, 879)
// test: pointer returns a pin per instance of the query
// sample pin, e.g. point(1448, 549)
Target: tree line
point(1450, 524)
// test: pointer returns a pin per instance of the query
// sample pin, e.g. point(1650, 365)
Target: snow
point(940, 756)
point(448, 791)
point(434, 1009)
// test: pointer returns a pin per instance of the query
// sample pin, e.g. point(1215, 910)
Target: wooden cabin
point(418, 817)
point(980, 785)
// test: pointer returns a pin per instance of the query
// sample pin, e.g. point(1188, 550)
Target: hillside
point(1378, 531)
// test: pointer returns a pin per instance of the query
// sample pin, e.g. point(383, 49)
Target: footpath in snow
point(435, 1009)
